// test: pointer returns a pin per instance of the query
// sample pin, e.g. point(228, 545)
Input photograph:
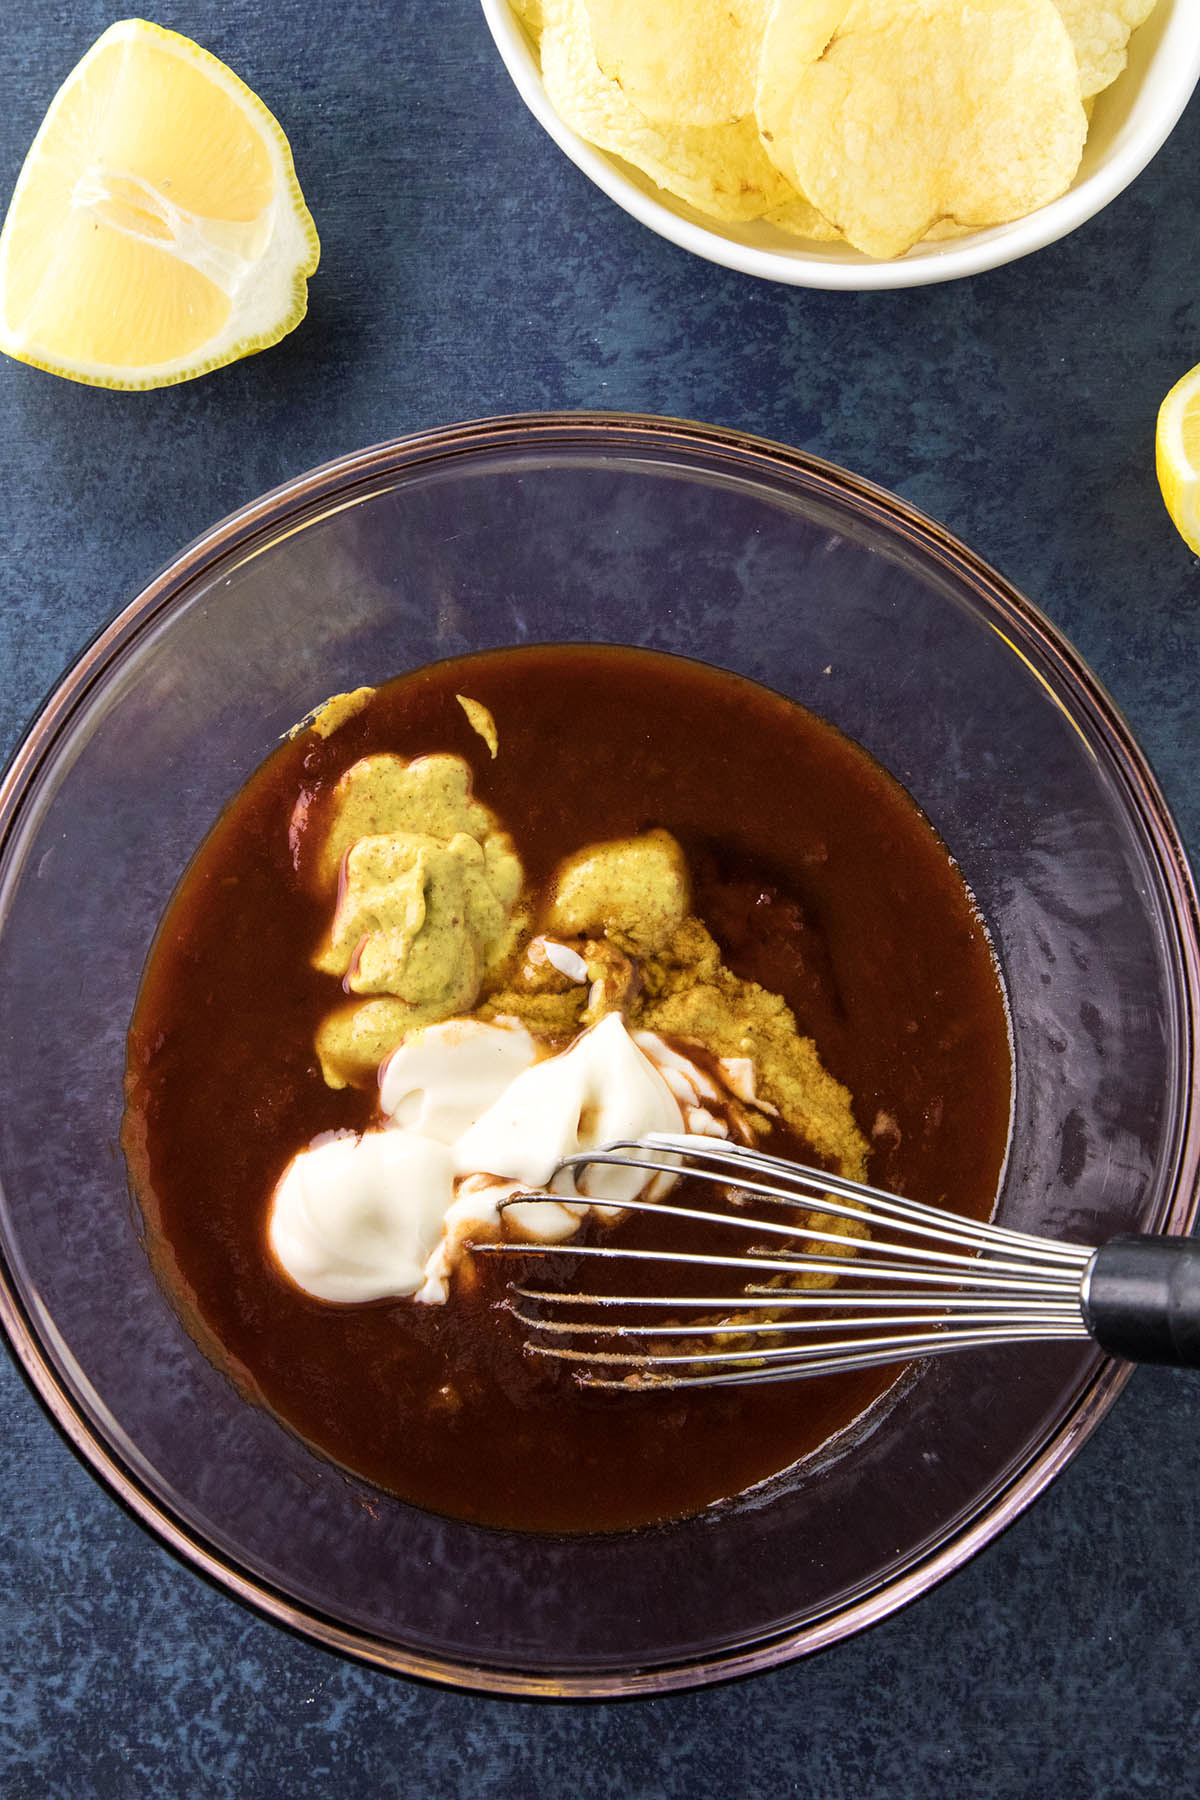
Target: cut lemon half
point(1177, 455)
point(157, 229)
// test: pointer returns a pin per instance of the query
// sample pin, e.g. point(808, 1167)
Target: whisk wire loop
point(909, 1280)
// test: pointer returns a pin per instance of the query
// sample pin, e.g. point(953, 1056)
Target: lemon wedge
point(157, 229)
point(1177, 455)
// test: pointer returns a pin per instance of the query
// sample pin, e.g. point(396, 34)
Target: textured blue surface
point(469, 269)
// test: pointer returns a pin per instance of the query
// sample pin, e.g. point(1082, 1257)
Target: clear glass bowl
point(640, 531)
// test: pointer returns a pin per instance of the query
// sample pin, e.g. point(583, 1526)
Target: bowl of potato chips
point(855, 143)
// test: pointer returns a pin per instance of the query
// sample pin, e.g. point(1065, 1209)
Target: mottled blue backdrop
point(469, 269)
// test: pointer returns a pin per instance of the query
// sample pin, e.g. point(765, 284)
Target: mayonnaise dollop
point(473, 1117)
point(357, 1218)
point(441, 1079)
point(602, 1087)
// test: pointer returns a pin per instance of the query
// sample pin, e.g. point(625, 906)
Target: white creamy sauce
point(472, 1116)
point(602, 1087)
point(440, 1079)
point(568, 962)
point(357, 1218)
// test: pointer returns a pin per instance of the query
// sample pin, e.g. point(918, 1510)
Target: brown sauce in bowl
point(819, 878)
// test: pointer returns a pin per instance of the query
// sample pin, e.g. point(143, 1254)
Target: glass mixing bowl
point(682, 538)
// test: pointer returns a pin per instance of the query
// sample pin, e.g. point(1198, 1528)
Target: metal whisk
point(911, 1281)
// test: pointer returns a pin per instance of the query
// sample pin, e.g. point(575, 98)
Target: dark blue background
point(469, 269)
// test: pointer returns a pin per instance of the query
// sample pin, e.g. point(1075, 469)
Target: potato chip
point(689, 62)
point(1100, 31)
point(797, 32)
point(944, 230)
point(721, 170)
point(924, 109)
point(800, 218)
point(530, 14)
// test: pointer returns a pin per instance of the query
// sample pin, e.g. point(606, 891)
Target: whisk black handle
point(1141, 1299)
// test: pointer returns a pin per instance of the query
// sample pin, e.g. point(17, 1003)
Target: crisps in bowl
point(800, 218)
point(797, 32)
point(1100, 31)
point(920, 110)
point(888, 122)
point(721, 170)
point(692, 62)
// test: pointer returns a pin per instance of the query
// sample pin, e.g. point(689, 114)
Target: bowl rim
point(988, 248)
point(358, 473)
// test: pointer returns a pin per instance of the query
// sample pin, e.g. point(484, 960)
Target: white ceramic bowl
point(1131, 121)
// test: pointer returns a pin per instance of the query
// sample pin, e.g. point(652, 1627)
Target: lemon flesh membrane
point(157, 229)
